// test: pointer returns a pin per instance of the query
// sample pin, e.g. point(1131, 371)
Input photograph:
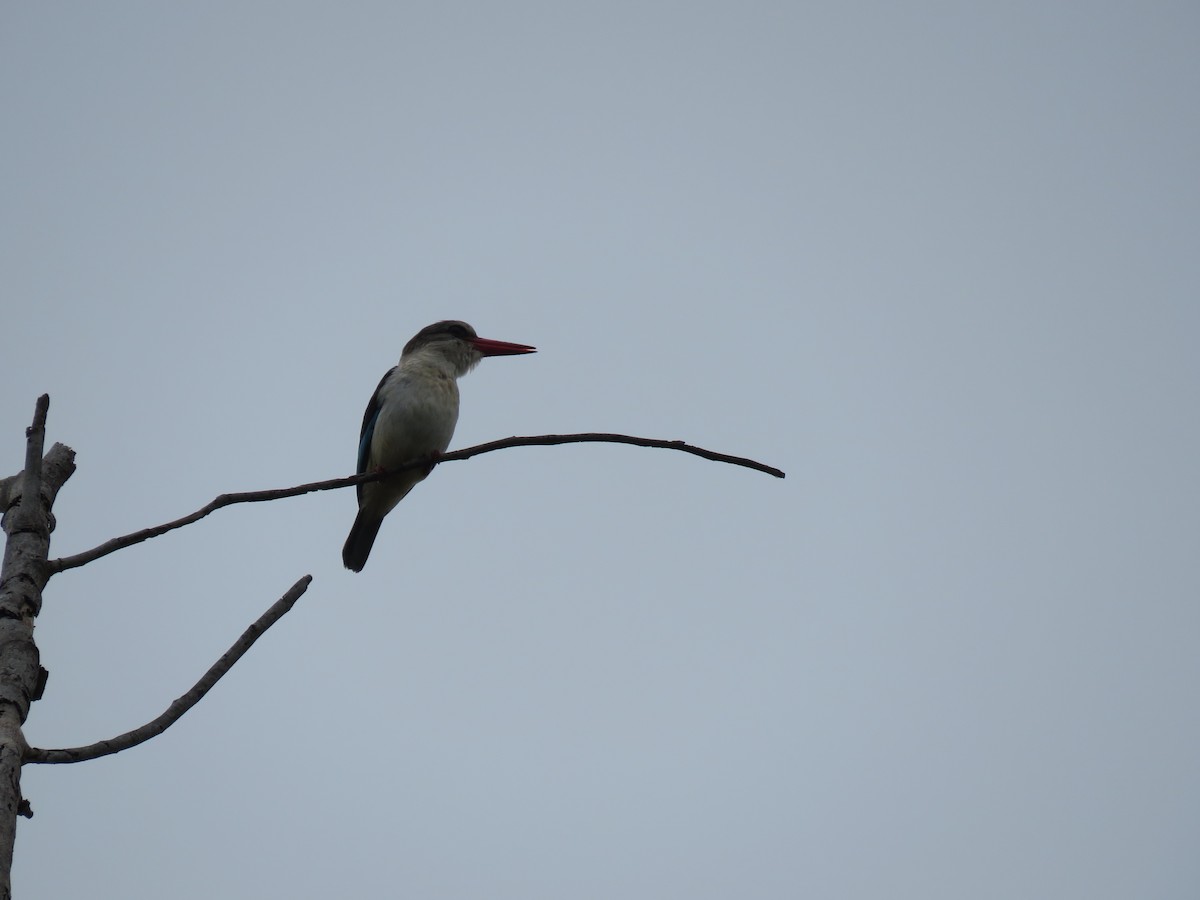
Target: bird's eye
point(458, 331)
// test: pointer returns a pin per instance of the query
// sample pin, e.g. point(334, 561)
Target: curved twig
point(119, 543)
point(181, 705)
point(545, 440)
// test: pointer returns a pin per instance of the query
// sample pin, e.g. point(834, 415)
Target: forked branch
point(538, 440)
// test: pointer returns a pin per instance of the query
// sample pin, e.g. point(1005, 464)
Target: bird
point(411, 416)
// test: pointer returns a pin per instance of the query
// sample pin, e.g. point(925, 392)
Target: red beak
point(488, 347)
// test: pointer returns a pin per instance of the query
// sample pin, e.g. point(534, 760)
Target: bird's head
point(458, 345)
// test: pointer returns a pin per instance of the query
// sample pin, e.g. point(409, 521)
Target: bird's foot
point(433, 461)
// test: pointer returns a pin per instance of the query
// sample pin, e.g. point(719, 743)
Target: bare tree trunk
point(26, 500)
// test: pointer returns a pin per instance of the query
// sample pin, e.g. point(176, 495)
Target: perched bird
point(412, 416)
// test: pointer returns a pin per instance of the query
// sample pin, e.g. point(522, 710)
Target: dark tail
point(362, 538)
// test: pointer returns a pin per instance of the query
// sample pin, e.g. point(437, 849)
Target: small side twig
point(128, 540)
point(181, 705)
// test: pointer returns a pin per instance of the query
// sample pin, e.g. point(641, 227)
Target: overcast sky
point(938, 261)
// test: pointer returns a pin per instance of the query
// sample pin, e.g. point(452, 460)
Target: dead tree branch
point(540, 440)
point(546, 440)
point(182, 704)
point(27, 521)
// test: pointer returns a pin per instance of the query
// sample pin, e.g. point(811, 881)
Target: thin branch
point(173, 713)
point(36, 433)
point(31, 478)
point(540, 440)
point(546, 440)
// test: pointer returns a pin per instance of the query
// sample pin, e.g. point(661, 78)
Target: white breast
point(417, 414)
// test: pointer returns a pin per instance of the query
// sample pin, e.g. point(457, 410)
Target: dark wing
point(368, 427)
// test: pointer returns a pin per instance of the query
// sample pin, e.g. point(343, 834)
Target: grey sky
point(937, 261)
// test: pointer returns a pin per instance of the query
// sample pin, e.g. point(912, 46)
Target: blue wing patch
point(364, 444)
point(370, 417)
